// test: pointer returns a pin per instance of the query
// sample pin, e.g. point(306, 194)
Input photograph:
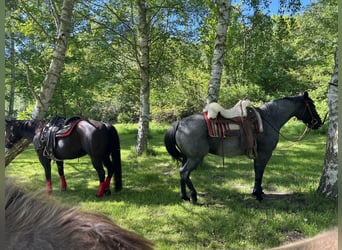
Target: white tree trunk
point(144, 116)
point(328, 183)
point(51, 78)
point(57, 62)
point(219, 51)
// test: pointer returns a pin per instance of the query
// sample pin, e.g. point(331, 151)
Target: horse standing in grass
point(188, 141)
point(36, 223)
point(62, 139)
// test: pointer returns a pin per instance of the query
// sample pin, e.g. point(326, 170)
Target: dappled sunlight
point(149, 202)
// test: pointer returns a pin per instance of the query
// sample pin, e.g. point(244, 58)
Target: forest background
point(268, 55)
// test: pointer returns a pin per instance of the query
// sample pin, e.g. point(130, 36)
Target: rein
point(306, 130)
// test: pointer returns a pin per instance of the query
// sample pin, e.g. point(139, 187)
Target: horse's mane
point(27, 125)
point(274, 103)
point(36, 223)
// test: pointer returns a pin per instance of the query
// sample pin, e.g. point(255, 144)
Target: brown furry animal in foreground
point(324, 241)
point(34, 223)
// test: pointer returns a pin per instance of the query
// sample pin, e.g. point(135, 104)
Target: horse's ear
point(306, 94)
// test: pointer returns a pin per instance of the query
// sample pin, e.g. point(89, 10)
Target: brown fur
point(35, 223)
point(324, 241)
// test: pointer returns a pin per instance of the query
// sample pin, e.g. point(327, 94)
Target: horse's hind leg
point(97, 163)
point(60, 167)
point(110, 170)
point(185, 171)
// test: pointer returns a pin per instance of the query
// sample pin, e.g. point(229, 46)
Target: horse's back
point(89, 137)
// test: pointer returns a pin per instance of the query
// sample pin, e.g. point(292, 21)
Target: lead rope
point(222, 139)
point(283, 136)
point(306, 130)
point(222, 144)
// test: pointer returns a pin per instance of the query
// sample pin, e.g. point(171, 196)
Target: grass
point(229, 217)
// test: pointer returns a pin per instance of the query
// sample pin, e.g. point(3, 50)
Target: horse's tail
point(116, 158)
point(171, 144)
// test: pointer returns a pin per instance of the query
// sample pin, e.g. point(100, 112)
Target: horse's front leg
point(60, 167)
point(257, 190)
point(47, 168)
point(259, 167)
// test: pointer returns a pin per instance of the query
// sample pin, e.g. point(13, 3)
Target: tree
point(219, 51)
point(63, 25)
point(328, 185)
point(143, 63)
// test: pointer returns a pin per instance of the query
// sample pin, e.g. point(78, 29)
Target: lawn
point(228, 216)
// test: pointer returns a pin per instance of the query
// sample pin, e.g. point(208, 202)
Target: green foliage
point(267, 56)
point(229, 217)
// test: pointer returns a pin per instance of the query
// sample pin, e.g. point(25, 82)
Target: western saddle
point(242, 120)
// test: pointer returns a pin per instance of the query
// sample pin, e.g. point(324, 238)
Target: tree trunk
point(328, 183)
point(51, 78)
point(219, 51)
point(11, 114)
point(143, 63)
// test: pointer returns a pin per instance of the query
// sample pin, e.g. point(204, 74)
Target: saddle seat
point(239, 110)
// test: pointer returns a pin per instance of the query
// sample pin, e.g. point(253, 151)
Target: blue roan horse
point(97, 139)
point(187, 140)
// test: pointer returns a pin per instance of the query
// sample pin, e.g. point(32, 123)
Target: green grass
point(229, 217)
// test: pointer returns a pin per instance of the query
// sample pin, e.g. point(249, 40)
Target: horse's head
point(17, 129)
point(309, 113)
point(13, 134)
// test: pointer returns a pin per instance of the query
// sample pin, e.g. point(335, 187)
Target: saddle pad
point(67, 129)
point(221, 127)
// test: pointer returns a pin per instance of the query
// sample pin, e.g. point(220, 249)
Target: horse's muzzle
point(8, 145)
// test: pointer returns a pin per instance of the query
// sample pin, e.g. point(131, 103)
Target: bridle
point(313, 121)
point(10, 138)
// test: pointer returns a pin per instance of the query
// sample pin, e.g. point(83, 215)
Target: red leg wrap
point(48, 186)
point(63, 183)
point(101, 189)
point(107, 183)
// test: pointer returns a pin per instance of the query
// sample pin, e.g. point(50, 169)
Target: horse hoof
point(193, 199)
point(107, 192)
point(259, 198)
point(184, 197)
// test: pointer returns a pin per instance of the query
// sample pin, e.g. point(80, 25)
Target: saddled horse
point(187, 140)
point(97, 139)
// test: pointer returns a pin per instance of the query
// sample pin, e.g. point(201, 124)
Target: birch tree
point(328, 185)
point(63, 25)
point(143, 63)
point(219, 51)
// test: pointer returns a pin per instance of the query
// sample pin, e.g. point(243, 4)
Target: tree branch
point(24, 9)
point(55, 14)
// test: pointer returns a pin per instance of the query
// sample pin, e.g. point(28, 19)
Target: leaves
point(266, 55)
